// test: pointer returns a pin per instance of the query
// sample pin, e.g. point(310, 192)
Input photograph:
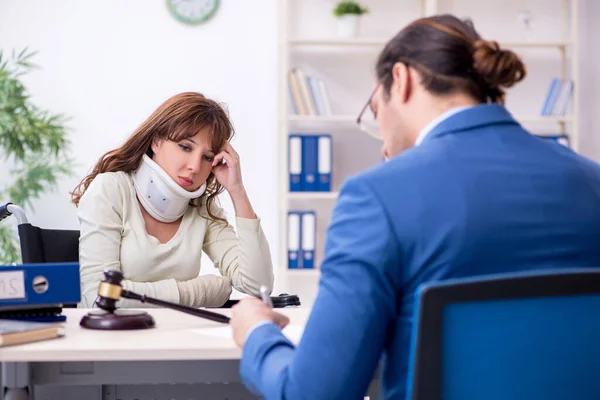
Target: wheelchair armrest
point(4, 213)
point(9, 209)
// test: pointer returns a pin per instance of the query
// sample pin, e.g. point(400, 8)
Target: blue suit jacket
point(480, 195)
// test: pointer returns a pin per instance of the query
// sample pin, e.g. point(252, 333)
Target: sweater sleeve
point(100, 214)
point(244, 257)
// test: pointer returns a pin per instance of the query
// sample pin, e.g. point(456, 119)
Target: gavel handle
point(213, 316)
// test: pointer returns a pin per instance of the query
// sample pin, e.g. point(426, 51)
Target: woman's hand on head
point(226, 167)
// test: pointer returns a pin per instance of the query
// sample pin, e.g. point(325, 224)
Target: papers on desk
point(292, 332)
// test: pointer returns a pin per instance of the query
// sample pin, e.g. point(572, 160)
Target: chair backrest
point(514, 337)
point(48, 245)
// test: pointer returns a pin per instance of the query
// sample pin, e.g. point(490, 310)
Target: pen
point(265, 296)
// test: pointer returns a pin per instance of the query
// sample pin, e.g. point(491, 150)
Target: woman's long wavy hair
point(180, 117)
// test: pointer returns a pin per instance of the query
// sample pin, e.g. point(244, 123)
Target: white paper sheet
point(292, 332)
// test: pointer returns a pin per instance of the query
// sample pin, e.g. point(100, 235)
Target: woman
point(149, 209)
point(466, 192)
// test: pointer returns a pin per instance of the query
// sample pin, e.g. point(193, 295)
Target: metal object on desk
point(265, 296)
point(111, 318)
point(281, 301)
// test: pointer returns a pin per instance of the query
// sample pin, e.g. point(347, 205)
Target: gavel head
point(109, 291)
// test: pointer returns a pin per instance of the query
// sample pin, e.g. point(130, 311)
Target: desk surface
point(171, 339)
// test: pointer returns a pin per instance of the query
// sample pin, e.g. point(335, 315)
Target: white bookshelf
point(351, 119)
point(322, 53)
point(301, 273)
point(379, 43)
point(358, 42)
point(312, 195)
point(322, 118)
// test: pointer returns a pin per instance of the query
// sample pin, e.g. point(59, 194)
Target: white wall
point(110, 63)
point(589, 89)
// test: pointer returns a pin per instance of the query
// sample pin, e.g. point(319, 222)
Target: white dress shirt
point(436, 121)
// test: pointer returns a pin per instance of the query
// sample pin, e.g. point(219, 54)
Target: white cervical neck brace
point(159, 194)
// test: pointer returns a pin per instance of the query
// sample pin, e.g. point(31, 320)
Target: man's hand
point(250, 312)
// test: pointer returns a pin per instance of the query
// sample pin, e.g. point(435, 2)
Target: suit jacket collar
point(472, 118)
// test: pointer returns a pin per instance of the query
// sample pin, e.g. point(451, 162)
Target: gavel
point(111, 318)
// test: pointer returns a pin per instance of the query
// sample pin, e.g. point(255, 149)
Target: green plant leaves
point(10, 246)
point(33, 141)
point(349, 7)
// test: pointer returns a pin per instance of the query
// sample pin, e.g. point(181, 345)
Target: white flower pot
point(347, 26)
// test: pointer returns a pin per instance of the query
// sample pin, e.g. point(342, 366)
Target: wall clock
point(192, 12)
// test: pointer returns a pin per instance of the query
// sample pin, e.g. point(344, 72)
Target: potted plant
point(348, 14)
point(33, 143)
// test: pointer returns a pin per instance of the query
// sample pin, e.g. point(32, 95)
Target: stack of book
point(307, 94)
point(19, 332)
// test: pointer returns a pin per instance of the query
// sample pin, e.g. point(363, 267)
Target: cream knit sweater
point(113, 235)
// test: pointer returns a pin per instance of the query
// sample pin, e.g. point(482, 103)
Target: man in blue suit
point(466, 191)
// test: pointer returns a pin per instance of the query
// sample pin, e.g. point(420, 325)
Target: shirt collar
point(436, 121)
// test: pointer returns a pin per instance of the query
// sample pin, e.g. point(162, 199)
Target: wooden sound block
point(117, 320)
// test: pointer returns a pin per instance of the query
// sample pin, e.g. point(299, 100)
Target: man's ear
point(402, 83)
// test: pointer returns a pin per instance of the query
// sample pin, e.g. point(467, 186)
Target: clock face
point(192, 11)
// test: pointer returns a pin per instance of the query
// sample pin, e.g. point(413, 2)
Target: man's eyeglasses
point(366, 119)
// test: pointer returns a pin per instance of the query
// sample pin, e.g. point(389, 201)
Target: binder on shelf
point(295, 163)
point(308, 231)
point(550, 96)
point(313, 85)
point(309, 162)
point(292, 103)
point(557, 98)
point(562, 99)
point(294, 244)
point(324, 97)
point(324, 163)
point(299, 102)
point(305, 92)
point(39, 285)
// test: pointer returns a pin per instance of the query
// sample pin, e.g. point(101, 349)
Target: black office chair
point(57, 245)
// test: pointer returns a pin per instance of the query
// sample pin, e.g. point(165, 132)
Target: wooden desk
point(172, 339)
point(93, 362)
